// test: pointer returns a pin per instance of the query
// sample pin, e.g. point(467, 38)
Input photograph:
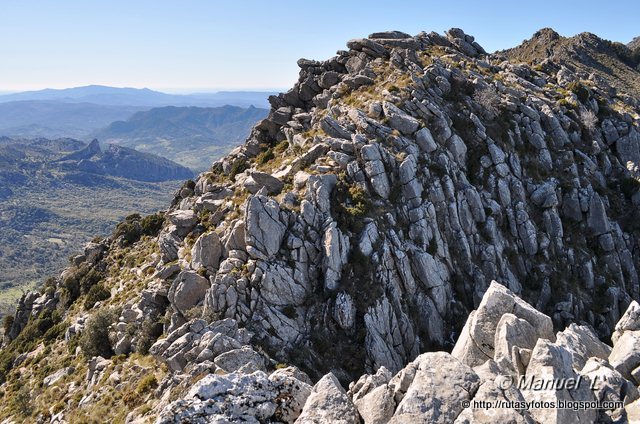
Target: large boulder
point(169, 243)
point(609, 386)
point(583, 343)
point(399, 120)
point(245, 360)
point(264, 230)
point(376, 407)
point(183, 219)
point(512, 334)
point(625, 355)
point(436, 386)
point(633, 412)
point(187, 291)
point(476, 342)
point(263, 180)
point(630, 321)
point(328, 403)
point(491, 391)
point(373, 397)
point(549, 364)
point(225, 398)
point(206, 252)
point(293, 387)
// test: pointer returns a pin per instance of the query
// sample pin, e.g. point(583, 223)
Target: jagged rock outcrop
point(361, 223)
point(435, 387)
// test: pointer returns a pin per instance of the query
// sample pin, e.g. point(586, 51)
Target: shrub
point(55, 332)
point(460, 88)
point(629, 186)
point(129, 230)
point(488, 100)
point(7, 323)
point(589, 119)
point(289, 311)
point(27, 340)
point(130, 398)
point(71, 287)
point(433, 246)
point(134, 226)
point(238, 166)
point(97, 293)
point(152, 224)
point(6, 363)
point(348, 204)
point(579, 90)
point(90, 279)
point(359, 201)
point(566, 103)
point(20, 403)
point(94, 340)
point(146, 383)
point(149, 333)
point(265, 157)
point(281, 147)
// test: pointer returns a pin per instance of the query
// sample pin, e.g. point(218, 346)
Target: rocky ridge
point(354, 228)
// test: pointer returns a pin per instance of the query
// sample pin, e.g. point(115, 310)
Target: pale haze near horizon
point(199, 46)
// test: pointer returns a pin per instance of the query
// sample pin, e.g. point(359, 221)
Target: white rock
point(437, 389)
point(328, 403)
point(476, 342)
point(625, 355)
point(629, 321)
point(206, 252)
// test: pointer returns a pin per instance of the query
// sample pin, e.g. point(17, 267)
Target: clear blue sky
point(193, 45)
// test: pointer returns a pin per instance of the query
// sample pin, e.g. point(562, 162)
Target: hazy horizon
point(178, 91)
point(198, 45)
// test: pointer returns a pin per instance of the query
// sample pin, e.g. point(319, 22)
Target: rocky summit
point(338, 266)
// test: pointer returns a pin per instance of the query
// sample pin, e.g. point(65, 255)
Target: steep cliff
point(357, 227)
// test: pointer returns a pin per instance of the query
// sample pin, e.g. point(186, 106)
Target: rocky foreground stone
point(506, 352)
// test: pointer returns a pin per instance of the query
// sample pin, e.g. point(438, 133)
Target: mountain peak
point(545, 35)
point(585, 54)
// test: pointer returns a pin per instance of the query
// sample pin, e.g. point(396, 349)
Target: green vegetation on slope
point(191, 136)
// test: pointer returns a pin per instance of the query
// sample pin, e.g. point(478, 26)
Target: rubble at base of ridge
point(435, 386)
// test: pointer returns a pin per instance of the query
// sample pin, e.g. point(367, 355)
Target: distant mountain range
point(191, 129)
point(192, 136)
point(24, 161)
point(57, 194)
point(115, 96)
point(54, 119)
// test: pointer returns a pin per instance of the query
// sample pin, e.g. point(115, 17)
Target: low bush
point(89, 279)
point(94, 340)
point(265, 157)
point(7, 322)
point(579, 90)
point(152, 224)
point(146, 384)
point(134, 226)
point(97, 293)
point(629, 186)
point(359, 201)
point(238, 166)
point(129, 230)
point(148, 334)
